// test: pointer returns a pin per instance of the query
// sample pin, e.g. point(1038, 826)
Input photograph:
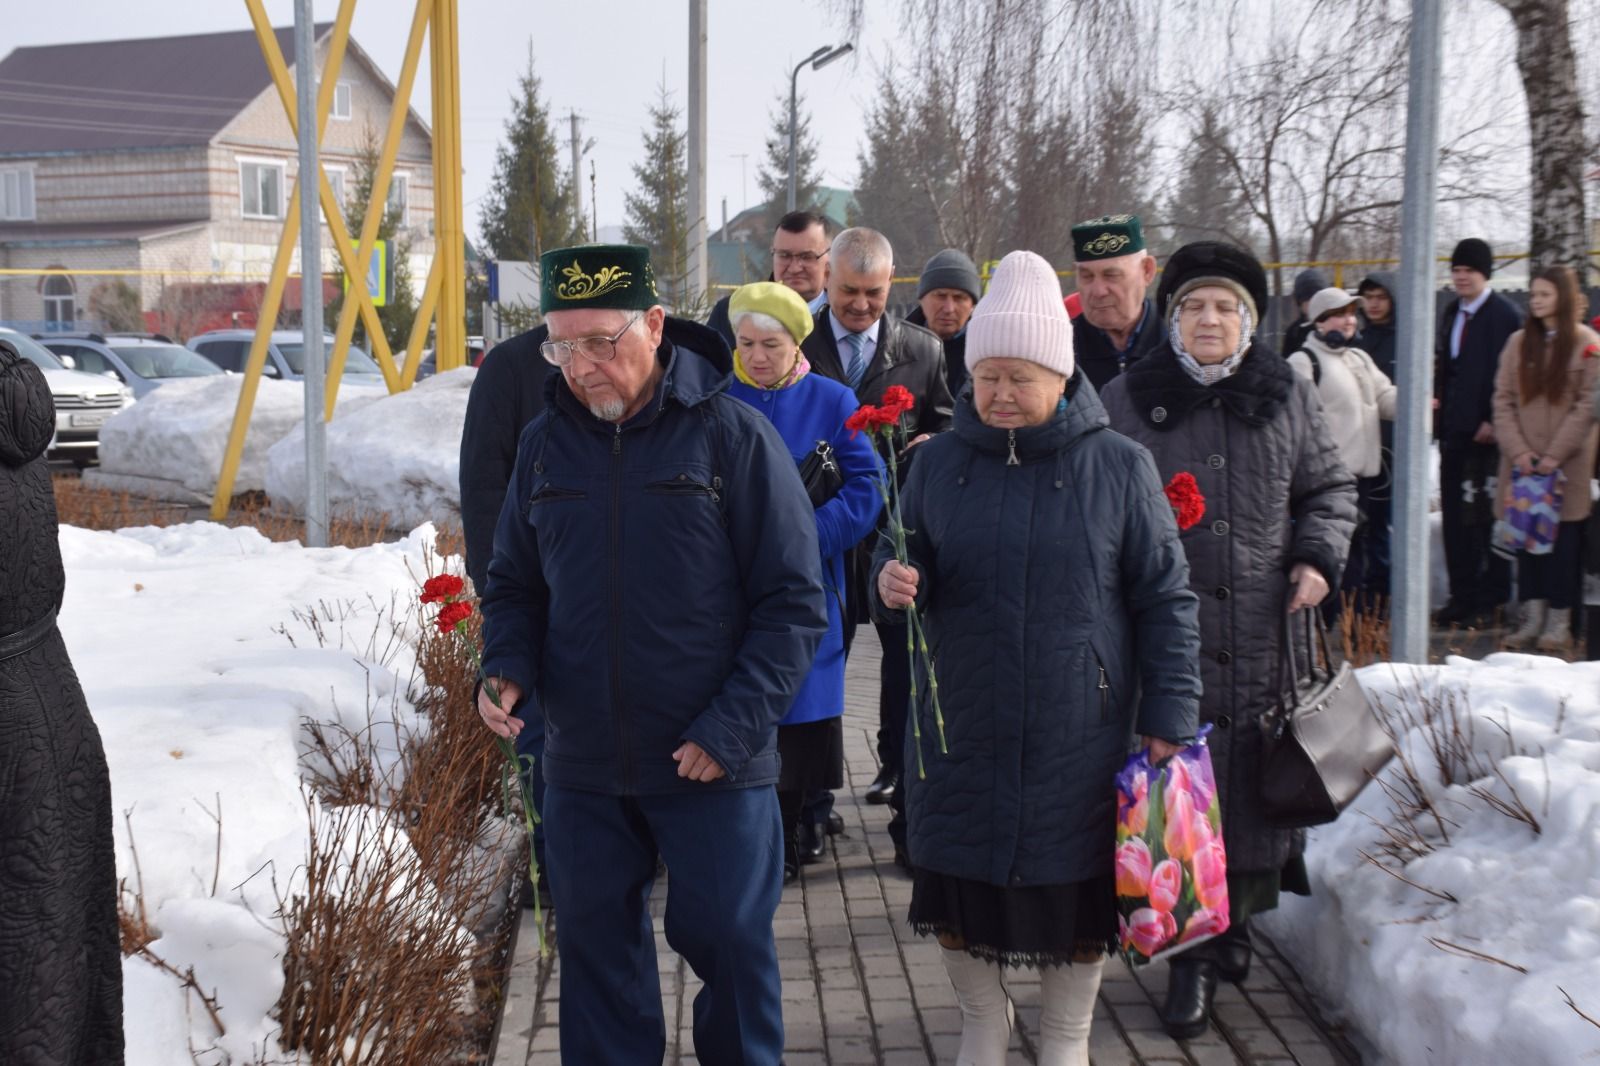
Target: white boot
point(1557, 635)
point(1067, 995)
point(986, 1011)
point(1533, 619)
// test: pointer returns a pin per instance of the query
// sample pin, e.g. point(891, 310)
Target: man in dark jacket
point(656, 584)
point(1307, 284)
point(1473, 330)
point(855, 342)
point(1378, 336)
point(947, 291)
point(799, 260)
point(1118, 324)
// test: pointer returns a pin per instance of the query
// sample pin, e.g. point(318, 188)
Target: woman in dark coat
point(1280, 509)
point(60, 962)
point(1046, 564)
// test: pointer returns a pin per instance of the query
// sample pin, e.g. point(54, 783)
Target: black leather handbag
point(820, 473)
point(1324, 741)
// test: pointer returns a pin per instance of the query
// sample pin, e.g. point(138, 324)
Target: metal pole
point(695, 284)
point(305, 76)
point(1408, 637)
point(794, 81)
point(577, 178)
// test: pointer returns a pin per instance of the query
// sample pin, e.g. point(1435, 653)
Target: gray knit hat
point(1307, 284)
point(950, 269)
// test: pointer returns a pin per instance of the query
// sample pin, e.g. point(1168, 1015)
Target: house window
point(261, 189)
point(400, 196)
point(341, 100)
point(60, 309)
point(16, 194)
point(336, 182)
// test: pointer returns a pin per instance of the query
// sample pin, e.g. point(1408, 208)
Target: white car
point(84, 402)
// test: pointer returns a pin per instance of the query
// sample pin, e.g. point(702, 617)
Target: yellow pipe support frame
point(419, 327)
point(252, 368)
point(330, 207)
point(377, 205)
point(450, 341)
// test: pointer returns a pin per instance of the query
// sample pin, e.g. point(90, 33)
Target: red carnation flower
point(1188, 505)
point(441, 588)
point(864, 419)
point(898, 399)
point(452, 614)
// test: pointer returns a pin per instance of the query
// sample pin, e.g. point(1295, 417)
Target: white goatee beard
point(608, 410)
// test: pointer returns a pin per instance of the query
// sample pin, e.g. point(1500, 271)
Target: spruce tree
point(396, 315)
point(529, 207)
point(773, 174)
point(658, 213)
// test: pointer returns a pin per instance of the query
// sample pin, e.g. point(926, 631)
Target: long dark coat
point(60, 963)
point(1058, 611)
point(1276, 494)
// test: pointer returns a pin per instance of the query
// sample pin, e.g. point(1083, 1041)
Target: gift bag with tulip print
point(1172, 871)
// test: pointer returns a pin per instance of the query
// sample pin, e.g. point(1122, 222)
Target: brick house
point(172, 156)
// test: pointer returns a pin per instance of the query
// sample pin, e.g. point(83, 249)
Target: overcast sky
point(603, 59)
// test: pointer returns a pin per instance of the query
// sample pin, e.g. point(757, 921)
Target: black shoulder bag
point(1323, 743)
point(820, 473)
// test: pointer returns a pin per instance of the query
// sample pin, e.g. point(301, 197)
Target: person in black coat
point(1307, 284)
point(1379, 332)
point(799, 260)
point(946, 293)
point(1118, 325)
point(60, 956)
point(853, 341)
point(1473, 331)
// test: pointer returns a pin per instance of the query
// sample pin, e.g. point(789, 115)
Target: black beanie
point(950, 269)
point(1474, 252)
point(1307, 284)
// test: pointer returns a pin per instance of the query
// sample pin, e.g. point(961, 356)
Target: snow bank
point(198, 672)
point(1397, 960)
point(400, 456)
point(179, 432)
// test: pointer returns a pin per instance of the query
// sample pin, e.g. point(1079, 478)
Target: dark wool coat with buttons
point(1276, 494)
point(1056, 602)
point(60, 962)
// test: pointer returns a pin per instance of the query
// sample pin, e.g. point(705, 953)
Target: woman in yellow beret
point(769, 322)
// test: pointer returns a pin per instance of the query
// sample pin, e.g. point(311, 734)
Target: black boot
point(1191, 986)
point(1233, 953)
point(883, 786)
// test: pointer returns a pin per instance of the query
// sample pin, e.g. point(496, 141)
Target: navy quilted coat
point(1057, 605)
point(60, 964)
point(1276, 494)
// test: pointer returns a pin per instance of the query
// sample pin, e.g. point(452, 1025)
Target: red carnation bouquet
point(1183, 492)
point(885, 420)
point(449, 591)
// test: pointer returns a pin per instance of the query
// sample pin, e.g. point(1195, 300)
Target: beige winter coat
point(1566, 430)
point(1355, 395)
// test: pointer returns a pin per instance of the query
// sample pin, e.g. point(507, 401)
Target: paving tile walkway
point(859, 987)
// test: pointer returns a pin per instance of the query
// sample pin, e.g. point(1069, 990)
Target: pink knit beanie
point(1022, 316)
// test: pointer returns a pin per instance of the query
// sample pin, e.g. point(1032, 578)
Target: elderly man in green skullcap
point(1118, 324)
point(654, 601)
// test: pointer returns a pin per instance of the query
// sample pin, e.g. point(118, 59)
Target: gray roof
point(152, 92)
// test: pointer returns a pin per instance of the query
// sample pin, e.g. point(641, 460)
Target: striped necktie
point(856, 368)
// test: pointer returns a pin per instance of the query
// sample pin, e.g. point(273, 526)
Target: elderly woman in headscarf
point(1044, 559)
point(808, 410)
point(60, 959)
point(1280, 507)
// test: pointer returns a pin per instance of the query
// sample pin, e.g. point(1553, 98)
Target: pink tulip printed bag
point(1172, 871)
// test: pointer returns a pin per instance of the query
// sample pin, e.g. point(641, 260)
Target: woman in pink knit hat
point(1045, 560)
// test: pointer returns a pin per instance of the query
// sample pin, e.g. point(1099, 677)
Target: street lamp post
point(816, 61)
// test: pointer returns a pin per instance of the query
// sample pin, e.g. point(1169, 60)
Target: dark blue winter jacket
point(656, 582)
point(1056, 600)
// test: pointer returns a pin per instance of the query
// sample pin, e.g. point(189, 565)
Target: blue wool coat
point(814, 409)
point(1057, 606)
point(656, 582)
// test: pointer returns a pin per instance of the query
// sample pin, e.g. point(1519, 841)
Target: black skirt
point(1034, 925)
point(812, 755)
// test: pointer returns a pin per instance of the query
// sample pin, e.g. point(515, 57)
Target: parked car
point(140, 361)
point(83, 401)
point(229, 348)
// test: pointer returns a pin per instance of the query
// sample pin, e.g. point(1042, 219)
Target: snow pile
point(1472, 963)
point(400, 456)
point(176, 436)
point(195, 651)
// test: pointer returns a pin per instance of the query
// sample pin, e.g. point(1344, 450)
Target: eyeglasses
point(804, 257)
point(594, 349)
